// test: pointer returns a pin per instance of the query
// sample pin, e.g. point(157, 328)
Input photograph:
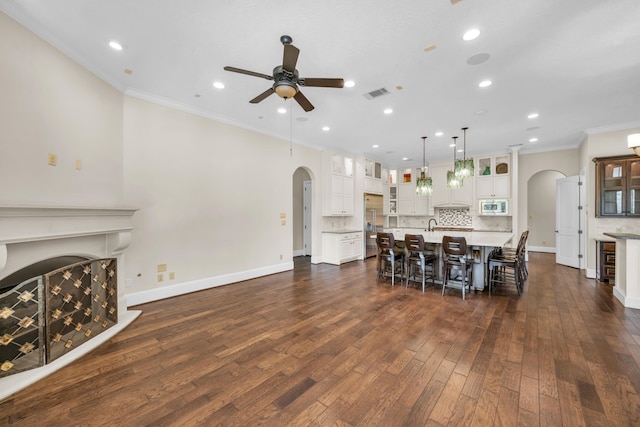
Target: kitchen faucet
point(429, 228)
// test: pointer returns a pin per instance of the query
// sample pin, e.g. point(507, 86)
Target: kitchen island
point(626, 286)
point(479, 244)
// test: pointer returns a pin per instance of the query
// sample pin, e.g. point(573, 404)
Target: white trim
point(316, 259)
point(201, 284)
point(627, 302)
point(299, 252)
point(541, 249)
point(613, 128)
point(591, 273)
point(16, 382)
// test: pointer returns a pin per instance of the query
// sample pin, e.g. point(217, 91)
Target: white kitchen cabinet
point(443, 196)
point(493, 178)
point(409, 202)
point(338, 248)
point(338, 185)
point(372, 177)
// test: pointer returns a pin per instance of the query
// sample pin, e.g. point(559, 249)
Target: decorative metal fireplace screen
point(80, 302)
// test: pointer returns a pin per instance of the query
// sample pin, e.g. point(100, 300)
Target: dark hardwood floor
point(326, 345)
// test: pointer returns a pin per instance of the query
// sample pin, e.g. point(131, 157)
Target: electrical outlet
point(284, 222)
point(172, 275)
point(78, 165)
point(53, 159)
point(280, 256)
point(160, 277)
point(127, 283)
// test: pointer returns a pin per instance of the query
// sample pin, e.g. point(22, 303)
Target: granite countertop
point(623, 236)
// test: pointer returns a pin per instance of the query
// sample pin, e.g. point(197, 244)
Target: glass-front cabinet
point(618, 186)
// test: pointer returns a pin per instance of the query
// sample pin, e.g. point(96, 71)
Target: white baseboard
point(541, 249)
point(316, 259)
point(590, 273)
point(150, 295)
point(299, 252)
point(627, 302)
point(16, 382)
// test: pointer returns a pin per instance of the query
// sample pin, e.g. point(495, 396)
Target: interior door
point(568, 222)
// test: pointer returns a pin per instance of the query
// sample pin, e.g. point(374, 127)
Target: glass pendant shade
point(424, 185)
point(464, 168)
point(453, 181)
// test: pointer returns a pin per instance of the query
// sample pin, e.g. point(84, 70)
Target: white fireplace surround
point(29, 234)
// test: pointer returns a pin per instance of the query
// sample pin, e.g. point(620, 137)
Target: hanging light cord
point(291, 131)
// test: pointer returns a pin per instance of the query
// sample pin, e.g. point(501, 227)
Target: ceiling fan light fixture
point(286, 90)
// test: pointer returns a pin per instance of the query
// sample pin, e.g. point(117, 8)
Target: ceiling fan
point(286, 79)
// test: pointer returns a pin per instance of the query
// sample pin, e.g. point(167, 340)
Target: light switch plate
point(162, 268)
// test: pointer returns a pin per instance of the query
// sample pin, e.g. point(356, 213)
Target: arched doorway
point(541, 211)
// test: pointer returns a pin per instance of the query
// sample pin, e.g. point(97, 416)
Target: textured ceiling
point(575, 62)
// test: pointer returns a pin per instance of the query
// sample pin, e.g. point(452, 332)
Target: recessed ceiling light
point(218, 85)
point(532, 116)
point(282, 110)
point(459, 150)
point(115, 45)
point(375, 146)
point(439, 133)
point(407, 159)
point(533, 140)
point(480, 112)
point(325, 128)
point(388, 111)
point(452, 145)
point(128, 71)
point(471, 34)
point(485, 83)
point(349, 83)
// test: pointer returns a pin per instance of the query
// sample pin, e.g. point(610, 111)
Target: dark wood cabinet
point(618, 186)
point(606, 260)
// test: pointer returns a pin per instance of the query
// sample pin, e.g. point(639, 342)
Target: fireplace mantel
point(30, 234)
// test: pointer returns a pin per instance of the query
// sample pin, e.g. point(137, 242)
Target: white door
point(568, 222)
point(306, 218)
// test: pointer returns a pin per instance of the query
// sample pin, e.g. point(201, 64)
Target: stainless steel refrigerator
point(373, 222)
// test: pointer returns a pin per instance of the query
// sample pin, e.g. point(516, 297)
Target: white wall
point(563, 161)
point(49, 104)
point(210, 196)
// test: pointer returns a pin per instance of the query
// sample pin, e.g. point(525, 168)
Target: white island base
point(627, 281)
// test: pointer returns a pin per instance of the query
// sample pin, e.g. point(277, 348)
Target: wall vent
point(376, 93)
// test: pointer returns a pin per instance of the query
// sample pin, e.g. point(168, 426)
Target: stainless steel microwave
point(494, 207)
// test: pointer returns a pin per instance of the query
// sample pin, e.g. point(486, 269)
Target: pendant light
point(452, 180)
point(424, 184)
point(464, 167)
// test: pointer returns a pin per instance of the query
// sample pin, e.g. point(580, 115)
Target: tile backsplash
point(454, 217)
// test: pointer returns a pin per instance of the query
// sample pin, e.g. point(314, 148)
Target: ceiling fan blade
point(262, 96)
point(303, 101)
point(339, 83)
point(290, 57)
point(250, 73)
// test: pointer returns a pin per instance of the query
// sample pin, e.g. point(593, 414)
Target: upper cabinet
point(493, 177)
point(409, 202)
point(372, 177)
point(337, 184)
point(450, 197)
point(618, 186)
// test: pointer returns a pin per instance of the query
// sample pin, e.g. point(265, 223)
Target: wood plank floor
point(325, 345)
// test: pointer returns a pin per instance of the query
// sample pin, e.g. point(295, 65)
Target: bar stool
point(390, 258)
point(506, 266)
point(454, 257)
point(417, 257)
